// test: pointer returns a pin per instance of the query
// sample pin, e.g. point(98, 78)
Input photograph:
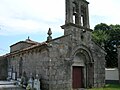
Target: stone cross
point(37, 83)
point(31, 81)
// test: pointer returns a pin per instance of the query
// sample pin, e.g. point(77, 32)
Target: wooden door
point(77, 77)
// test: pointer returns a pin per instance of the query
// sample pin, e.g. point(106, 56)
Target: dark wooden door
point(77, 77)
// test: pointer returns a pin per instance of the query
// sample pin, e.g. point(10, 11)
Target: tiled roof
point(29, 41)
point(28, 48)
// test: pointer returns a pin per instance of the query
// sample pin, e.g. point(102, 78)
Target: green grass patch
point(108, 87)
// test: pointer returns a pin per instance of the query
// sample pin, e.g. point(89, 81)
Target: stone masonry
point(69, 62)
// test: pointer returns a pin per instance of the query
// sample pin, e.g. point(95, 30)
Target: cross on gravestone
point(37, 83)
point(30, 81)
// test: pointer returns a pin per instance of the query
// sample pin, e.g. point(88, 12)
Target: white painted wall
point(111, 74)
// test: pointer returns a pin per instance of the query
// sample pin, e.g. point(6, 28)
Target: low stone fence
point(111, 75)
point(12, 88)
point(9, 85)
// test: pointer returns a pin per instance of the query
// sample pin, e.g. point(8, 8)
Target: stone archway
point(82, 69)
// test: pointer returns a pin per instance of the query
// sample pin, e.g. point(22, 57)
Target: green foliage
point(100, 37)
point(108, 36)
point(115, 32)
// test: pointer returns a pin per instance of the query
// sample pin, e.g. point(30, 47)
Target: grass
point(108, 87)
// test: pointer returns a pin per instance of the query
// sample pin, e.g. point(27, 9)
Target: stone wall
point(111, 75)
point(49, 62)
point(99, 65)
point(60, 68)
point(35, 61)
point(118, 49)
point(54, 62)
point(3, 68)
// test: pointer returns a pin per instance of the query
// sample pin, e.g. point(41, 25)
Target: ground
point(108, 87)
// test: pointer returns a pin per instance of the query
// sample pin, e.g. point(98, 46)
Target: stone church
point(69, 62)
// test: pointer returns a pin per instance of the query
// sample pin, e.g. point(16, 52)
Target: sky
point(22, 18)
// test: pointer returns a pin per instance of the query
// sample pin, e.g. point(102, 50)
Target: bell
point(74, 11)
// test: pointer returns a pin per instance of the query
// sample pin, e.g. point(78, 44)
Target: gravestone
point(14, 75)
point(10, 70)
point(19, 81)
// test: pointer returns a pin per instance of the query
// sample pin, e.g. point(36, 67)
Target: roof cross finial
point(28, 39)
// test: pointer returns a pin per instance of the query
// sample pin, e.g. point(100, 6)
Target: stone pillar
point(69, 11)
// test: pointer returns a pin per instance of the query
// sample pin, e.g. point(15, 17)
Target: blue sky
point(22, 18)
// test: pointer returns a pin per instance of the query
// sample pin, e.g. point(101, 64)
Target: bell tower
point(77, 15)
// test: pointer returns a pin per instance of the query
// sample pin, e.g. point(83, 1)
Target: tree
point(109, 36)
point(102, 26)
point(100, 37)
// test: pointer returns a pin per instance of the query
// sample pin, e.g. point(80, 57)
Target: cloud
point(35, 16)
point(107, 9)
point(102, 7)
point(28, 16)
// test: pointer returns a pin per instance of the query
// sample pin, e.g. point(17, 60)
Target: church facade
point(69, 62)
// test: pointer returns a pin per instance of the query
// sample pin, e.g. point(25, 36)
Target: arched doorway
point(82, 70)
